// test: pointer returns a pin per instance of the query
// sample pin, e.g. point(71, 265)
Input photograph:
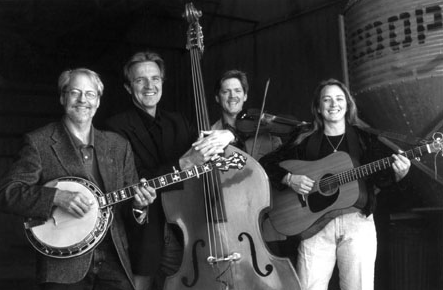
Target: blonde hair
point(140, 57)
point(66, 76)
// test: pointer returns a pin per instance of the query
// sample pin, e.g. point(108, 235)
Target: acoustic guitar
point(336, 189)
point(65, 236)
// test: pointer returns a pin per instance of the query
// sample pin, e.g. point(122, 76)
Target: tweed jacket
point(48, 153)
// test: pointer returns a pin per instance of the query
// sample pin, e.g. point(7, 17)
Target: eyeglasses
point(74, 93)
point(145, 81)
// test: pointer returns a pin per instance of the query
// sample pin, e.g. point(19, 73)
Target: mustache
point(81, 105)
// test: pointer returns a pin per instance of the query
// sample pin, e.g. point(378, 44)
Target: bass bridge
point(229, 258)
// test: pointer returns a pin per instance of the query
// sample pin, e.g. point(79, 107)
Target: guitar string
point(359, 172)
point(336, 178)
point(370, 166)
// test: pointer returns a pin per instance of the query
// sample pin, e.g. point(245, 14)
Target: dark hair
point(233, 74)
point(318, 122)
point(66, 76)
point(143, 56)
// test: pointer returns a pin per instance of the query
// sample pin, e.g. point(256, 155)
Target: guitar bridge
point(302, 199)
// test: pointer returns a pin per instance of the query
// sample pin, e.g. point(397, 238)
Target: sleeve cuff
point(232, 130)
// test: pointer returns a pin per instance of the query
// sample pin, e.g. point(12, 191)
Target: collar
point(147, 119)
point(227, 126)
point(77, 142)
point(314, 143)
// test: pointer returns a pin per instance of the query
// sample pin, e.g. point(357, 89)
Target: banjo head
point(65, 236)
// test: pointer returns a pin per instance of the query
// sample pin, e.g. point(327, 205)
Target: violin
point(248, 120)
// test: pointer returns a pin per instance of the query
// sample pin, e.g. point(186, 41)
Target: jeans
point(348, 240)
point(170, 263)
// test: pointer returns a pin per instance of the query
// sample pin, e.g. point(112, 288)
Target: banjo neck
point(55, 237)
point(119, 195)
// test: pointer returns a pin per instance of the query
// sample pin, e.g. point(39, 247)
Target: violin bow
point(261, 116)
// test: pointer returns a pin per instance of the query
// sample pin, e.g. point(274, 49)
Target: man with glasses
point(161, 141)
point(73, 147)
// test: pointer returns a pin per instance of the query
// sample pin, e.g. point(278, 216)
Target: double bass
point(219, 215)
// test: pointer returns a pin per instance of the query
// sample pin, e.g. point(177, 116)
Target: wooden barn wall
point(295, 44)
point(294, 51)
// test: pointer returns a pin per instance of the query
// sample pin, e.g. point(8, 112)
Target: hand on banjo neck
point(79, 204)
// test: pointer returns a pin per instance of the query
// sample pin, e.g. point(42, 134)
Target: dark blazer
point(47, 154)
point(146, 241)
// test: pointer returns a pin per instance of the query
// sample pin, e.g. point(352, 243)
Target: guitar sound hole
point(326, 196)
point(328, 185)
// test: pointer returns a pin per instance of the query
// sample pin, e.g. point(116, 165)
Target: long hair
point(318, 122)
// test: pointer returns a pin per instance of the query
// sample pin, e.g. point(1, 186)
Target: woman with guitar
point(343, 234)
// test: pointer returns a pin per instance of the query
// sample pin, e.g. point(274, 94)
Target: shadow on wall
point(17, 257)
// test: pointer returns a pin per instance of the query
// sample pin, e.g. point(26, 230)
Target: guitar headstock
point(235, 160)
point(437, 142)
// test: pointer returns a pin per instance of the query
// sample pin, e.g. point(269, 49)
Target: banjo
point(65, 236)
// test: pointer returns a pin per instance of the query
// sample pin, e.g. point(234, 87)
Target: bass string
point(218, 217)
point(199, 108)
point(220, 233)
point(200, 126)
point(215, 216)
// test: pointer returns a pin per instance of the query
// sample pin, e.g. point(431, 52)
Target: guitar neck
point(382, 164)
point(125, 193)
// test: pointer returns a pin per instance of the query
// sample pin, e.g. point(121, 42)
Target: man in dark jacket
point(161, 141)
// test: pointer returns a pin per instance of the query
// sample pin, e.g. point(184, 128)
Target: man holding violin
point(231, 92)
